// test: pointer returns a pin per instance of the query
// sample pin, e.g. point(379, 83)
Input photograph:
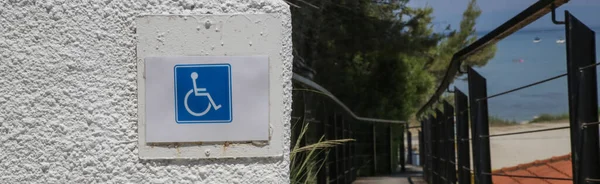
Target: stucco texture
point(68, 95)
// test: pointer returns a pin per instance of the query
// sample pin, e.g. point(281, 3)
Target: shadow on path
point(412, 175)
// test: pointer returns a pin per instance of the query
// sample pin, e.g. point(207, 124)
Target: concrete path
point(412, 173)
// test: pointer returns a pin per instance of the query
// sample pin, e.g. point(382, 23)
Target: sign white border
point(250, 101)
point(213, 35)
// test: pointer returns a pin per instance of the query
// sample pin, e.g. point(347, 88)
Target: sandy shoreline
point(511, 150)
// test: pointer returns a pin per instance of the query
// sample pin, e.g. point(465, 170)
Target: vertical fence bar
point(479, 118)
point(425, 153)
point(322, 130)
point(475, 140)
point(420, 137)
point(439, 117)
point(392, 165)
point(401, 147)
point(339, 150)
point(441, 166)
point(430, 143)
point(583, 100)
point(388, 148)
point(363, 150)
point(347, 164)
point(409, 147)
point(462, 138)
point(345, 152)
point(441, 135)
point(332, 157)
point(450, 132)
point(356, 150)
point(429, 148)
point(352, 151)
point(443, 146)
point(374, 143)
point(422, 150)
point(381, 152)
point(433, 151)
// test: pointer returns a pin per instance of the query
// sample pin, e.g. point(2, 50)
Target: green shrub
point(545, 118)
point(496, 121)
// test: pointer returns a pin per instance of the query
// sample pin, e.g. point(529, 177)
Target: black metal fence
point(442, 139)
point(323, 117)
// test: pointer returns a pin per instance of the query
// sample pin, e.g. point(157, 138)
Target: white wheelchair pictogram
point(199, 92)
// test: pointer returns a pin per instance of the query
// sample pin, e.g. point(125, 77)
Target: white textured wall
point(68, 96)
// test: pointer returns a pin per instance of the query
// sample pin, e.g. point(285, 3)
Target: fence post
point(479, 127)
point(462, 138)
point(450, 155)
point(583, 100)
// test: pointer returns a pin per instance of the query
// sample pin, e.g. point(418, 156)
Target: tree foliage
point(382, 58)
point(458, 39)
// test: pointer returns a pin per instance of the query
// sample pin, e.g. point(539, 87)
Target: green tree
point(380, 57)
point(458, 39)
point(367, 53)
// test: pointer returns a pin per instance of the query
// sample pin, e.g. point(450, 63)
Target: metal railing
point(522, 19)
point(439, 142)
point(325, 117)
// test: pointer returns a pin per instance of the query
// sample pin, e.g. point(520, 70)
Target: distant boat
point(537, 39)
point(560, 40)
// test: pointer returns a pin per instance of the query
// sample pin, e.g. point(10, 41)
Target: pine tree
point(458, 39)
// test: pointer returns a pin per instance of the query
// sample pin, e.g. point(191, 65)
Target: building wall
point(68, 95)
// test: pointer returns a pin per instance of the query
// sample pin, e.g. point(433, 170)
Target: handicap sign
point(203, 93)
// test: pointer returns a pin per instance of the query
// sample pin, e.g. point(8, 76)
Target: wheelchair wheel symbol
point(196, 92)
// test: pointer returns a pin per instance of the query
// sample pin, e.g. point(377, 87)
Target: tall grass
point(306, 169)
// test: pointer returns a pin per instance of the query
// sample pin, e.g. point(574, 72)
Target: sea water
point(519, 61)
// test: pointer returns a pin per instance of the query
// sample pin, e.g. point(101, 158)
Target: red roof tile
point(555, 167)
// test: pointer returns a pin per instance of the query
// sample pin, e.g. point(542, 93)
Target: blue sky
point(496, 12)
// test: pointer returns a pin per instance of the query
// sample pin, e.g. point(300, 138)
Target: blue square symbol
point(203, 93)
